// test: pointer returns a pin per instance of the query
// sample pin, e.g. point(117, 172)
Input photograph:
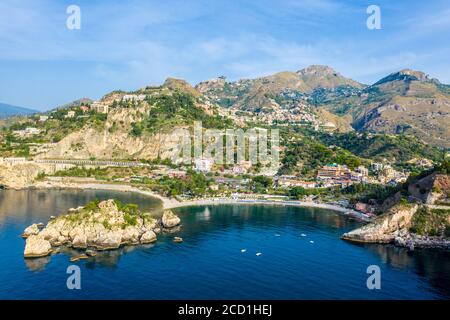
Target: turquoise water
point(209, 264)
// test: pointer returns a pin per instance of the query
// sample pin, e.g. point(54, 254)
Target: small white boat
point(258, 254)
point(243, 250)
point(311, 241)
point(303, 235)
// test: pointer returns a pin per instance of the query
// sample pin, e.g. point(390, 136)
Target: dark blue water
point(209, 264)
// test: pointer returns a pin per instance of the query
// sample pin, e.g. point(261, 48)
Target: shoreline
point(170, 203)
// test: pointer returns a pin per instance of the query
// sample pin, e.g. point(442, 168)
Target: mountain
point(265, 94)
point(408, 102)
point(181, 85)
point(7, 110)
point(77, 102)
point(407, 108)
point(318, 76)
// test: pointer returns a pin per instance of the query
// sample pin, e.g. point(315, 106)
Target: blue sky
point(130, 44)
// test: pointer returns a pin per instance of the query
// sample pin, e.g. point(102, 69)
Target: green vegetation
point(131, 213)
point(366, 192)
point(308, 154)
point(194, 184)
point(178, 108)
point(444, 167)
point(130, 219)
point(130, 208)
point(82, 172)
point(92, 206)
point(431, 222)
point(40, 176)
point(51, 131)
point(260, 184)
point(377, 147)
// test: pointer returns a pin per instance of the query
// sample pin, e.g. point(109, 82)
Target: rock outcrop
point(169, 219)
point(36, 247)
point(385, 228)
point(430, 188)
point(106, 143)
point(102, 225)
point(21, 175)
point(31, 230)
point(148, 237)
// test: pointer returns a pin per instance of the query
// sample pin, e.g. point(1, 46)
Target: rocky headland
point(105, 225)
point(422, 223)
point(407, 225)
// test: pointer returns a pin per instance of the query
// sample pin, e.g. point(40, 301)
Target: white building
point(376, 166)
point(99, 107)
point(43, 118)
point(70, 114)
point(27, 132)
point(12, 161)
point(135, 97)
point(203, 165)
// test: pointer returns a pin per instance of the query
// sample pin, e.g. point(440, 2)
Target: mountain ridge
point(406, 101)
point(8, 110)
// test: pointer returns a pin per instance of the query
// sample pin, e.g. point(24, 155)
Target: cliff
point(114, 141)
point(21, 175)
point(385, 227)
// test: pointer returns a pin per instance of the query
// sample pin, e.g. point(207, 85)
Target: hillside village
point(124, 138)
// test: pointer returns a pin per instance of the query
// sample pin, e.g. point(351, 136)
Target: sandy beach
point(171, 203)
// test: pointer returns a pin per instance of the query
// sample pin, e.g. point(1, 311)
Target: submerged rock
point(170, 220)
point(90, 253)
point(177, 239)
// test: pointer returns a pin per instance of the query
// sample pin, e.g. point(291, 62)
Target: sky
point(131, 44)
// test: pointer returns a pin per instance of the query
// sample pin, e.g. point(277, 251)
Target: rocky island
point(104, 225)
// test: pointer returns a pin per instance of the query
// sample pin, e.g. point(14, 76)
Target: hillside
point(131, 129)
point(260, 94)
point(7, 110)
point(406, 101)
point(139, 123)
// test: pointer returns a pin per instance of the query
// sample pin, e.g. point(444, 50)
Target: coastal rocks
point(36, 246)
point(105, 225)
point(384, 228)
point(77, 258)
point(412, 241)
point(148, 237)
point(169, 219)
point(395, 227)
point(108, 241)
point(131, 235)
point(31, 230)
point(79, 241)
